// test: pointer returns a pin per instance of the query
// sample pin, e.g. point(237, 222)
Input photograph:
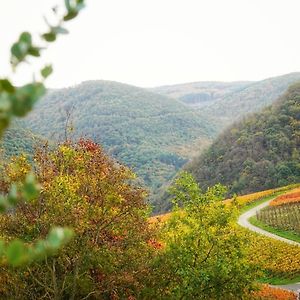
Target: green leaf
point(5, 106)
point(46, 71)
point(16, 253)
point(25, 97)
point(25, 37)
point(17, 52)
point(31, 188)
point(71, 15)
point(3, 203)
point(34, 51)
point(13, 195)
point(49, 37)
point(6, 86)
point(68, 5)
point(59, 236)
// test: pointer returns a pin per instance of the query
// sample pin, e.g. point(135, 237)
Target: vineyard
point(279, 261)
point(285, 217)
point(292, 197)
point(250, 198)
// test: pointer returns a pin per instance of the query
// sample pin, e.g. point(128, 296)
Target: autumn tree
point(111, 252)
point(205, 255)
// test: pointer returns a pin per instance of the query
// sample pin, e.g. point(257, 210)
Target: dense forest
point(149, 131)
point(17, 140)
point(260, 152)
point(139, 128)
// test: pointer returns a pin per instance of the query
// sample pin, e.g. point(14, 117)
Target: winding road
point(244, 222)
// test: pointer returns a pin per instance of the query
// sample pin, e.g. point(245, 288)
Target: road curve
point(244, 222)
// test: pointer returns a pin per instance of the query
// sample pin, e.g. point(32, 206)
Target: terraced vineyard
point(286, 217)
point(279, 261)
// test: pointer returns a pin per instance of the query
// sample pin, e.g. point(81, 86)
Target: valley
point(161, 182)
point(153, 132)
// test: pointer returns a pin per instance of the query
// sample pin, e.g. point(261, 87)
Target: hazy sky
point(157, 42)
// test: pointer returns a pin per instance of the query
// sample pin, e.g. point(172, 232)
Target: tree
point(17, 102)
point(110, 255)
point(205, 255)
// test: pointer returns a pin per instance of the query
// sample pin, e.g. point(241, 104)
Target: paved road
point(243, 221)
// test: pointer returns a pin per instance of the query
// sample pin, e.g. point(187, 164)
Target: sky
point(159, 42)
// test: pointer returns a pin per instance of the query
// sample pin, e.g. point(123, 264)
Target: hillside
point(144, 130)
point(17, 140)
point(223, 103)
point(260, 152)
point(253, 98)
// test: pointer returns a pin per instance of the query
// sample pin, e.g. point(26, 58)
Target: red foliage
point(286, 199)
point(89, 145)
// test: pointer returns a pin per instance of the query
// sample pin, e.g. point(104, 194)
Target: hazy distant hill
point(200, 93)
point(260, 152)
point(250, 99)
point(223, 103)
point(144, 130)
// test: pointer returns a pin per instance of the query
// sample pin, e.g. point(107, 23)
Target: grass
point(279, 281)
point(290, 235)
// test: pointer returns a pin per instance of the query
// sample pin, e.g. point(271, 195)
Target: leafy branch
point(18, 102)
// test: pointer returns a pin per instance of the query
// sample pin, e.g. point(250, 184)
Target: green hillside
point(223, 103)
point(18, 140)
point(252, 98)
point(260, 152)
point(144, 130)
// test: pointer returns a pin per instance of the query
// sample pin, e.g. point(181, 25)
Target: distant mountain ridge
point(200, 93)
point(233, 99)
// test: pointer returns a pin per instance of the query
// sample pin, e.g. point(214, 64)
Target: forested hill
point(18, 140)
point(260, 152)
point(252, 98)
point(144, 130)
point(222, 103)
